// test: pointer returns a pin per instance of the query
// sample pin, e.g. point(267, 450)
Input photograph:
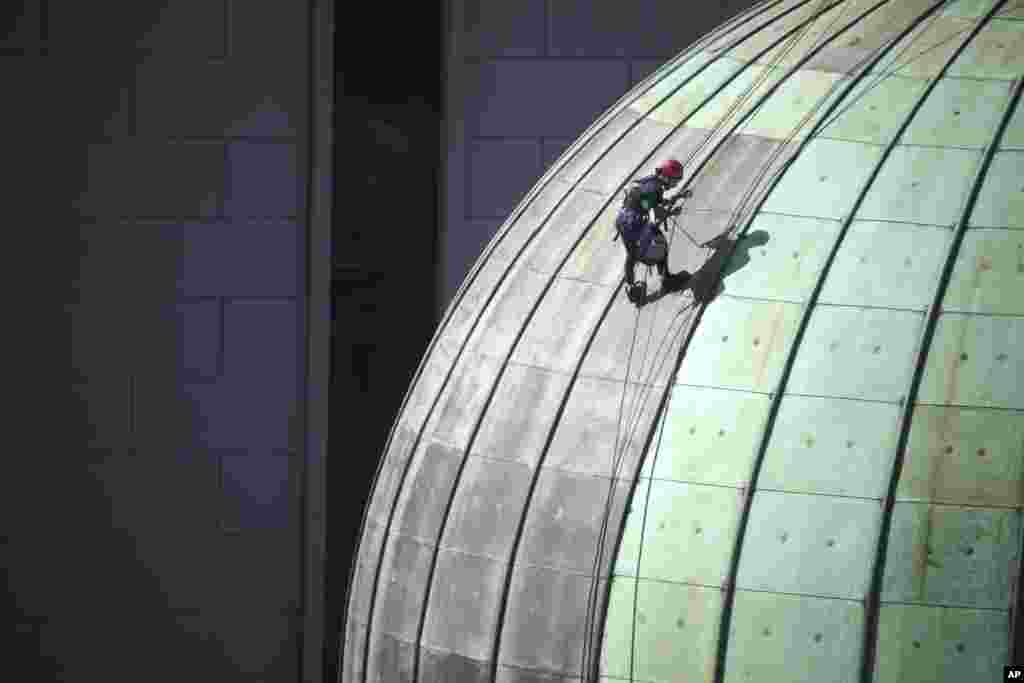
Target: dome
point(805, 467)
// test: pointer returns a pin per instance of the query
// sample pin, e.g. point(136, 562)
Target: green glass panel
point(975, 361)
point(503, 318)
point(462, 401)
point(782, 115)
point(564, 226)
point(617, 649)
point(887, 264)
point(780, 258)
point(740, 344)
point(687, 99)
point(1013, 136)
point(710, 436)
point(948, 555)
point(670, 82)
point(873, 110)
point(790, 638)
point(831, 446)
point(921, 185)
point(1001, 201)
point(824, 180)
point(996, 52)
point(652, 336)
point(632, 533)
point(739, 96)
point(812, 545)
point(859, 43)
point(597, 258)
point(595, 146)
point(989, 274)
point(958, 113)
point(522, 413)
point(940, 645)
point(603, 422)
point(689, 533)
point(964, 456)
point(791, 50)
point(676, 632)
point(856, 353)
point(925, 51)
point(547, 341)
point(966, 9)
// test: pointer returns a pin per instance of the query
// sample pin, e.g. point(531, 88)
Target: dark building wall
point(155, 165)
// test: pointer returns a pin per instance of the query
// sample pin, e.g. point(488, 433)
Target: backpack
point(631, 223)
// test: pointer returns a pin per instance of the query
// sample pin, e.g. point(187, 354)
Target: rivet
point(948, 449)
point(956, 113)
point(796, 254)
point(960, 647)
point(963, 356)
point(981, 452)
point(906, 262)
point(968, 551)
point(721, 432)
point(863, 259)
point(1001, 357)
point(693, 430)
point(830, 543)
point(661, 525)
point(698, 531)
point(757, 341)
point(725, 338)
point(783, 537)
point(680, 623)
point(833, 346)
point(914, 184)
point(877, 349)
point(767, 631)
point(641, 618)
point(818, 637)
point(823, 178)
point(849, 444)
point(917, 644)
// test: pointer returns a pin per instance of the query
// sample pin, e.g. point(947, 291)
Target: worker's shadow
point(729, 256)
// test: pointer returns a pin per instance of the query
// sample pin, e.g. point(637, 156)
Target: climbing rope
point(644, 387)
point(734, 224)
point(749, 194)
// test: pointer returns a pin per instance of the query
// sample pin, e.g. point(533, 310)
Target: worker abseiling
point(643, 238)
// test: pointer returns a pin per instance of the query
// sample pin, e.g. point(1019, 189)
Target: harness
point(632, 222)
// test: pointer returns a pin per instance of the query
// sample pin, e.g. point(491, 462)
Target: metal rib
point(873, 600)
point(580, 143)
point(764, 97)
point(730, 585)
point(521, 332)
point(822, 120)
point(460, 294)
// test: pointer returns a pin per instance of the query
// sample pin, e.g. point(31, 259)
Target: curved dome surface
point(810, 467)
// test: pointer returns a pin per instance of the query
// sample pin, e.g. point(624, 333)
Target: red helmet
point(670, 168)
